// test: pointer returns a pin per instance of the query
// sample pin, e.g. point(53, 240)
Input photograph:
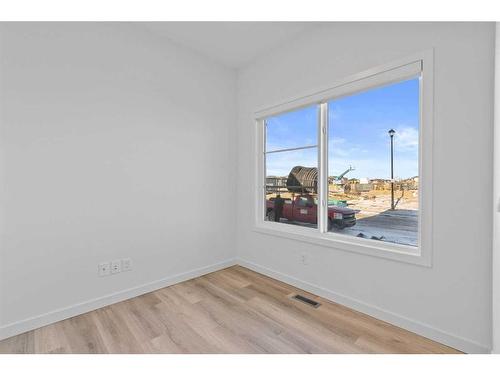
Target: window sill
point(395, 252)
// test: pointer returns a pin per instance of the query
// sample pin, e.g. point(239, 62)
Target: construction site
point(385, 210)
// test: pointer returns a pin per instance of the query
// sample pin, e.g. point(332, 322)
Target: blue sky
point(358, 126)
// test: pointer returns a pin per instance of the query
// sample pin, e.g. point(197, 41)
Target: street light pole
point(391, 134)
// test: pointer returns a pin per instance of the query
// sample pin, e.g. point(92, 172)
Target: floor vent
point(307, 301)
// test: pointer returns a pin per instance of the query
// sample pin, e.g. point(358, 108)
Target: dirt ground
point(377, 201)
point(376, 220)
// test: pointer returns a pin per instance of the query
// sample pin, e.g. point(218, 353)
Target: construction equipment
point(338, 179)
point(302, 180)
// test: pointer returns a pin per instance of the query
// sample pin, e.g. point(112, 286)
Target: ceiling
point(234, 44)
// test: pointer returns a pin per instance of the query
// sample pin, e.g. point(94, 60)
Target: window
point(349, 166)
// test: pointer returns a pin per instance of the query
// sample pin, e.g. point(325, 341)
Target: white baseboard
point(29, 324)
point(460, 343)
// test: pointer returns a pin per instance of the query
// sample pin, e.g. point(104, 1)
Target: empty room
point(248, 187)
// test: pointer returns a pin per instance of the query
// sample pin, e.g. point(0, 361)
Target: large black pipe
point(303, 180)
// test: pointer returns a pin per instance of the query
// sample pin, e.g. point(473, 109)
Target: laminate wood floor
point(234, 310)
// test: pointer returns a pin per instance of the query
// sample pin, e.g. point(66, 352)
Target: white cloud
point(406, 139)
point(280, 163)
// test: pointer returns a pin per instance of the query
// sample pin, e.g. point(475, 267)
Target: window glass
point(291, 160)
point(369, 177)
point(292, 129)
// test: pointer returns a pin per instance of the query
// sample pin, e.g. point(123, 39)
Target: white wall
point(114, 143)
point(103, 126)
point(451, 301)
point(496, 202)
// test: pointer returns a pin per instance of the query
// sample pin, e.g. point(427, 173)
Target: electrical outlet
point(104, 269)
point(126, 264)
point(116, 266)
point(304, 259)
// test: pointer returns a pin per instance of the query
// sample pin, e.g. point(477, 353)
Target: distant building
point(275, 184)
point(357, 185)
point(380, 183)
point(400, 184)
point(409, 183)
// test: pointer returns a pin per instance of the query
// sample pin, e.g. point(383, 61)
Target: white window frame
point(420, 64)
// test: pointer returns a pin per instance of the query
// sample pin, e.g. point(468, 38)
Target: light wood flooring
point(234, 310)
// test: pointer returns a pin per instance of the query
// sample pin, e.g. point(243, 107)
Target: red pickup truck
point(304, 209)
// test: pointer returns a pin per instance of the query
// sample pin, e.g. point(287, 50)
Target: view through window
point(373, 142)
point(292, 167)
point(373, 165)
